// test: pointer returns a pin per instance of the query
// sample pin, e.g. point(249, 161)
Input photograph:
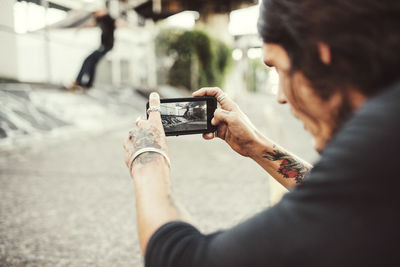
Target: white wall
point(8, 52)
point(57, 57)
point(68, 48)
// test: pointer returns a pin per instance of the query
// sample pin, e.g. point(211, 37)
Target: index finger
point(226, 103)
point(154, 101)
point(208, 91)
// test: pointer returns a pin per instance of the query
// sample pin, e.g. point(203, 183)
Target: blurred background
point(66, 196)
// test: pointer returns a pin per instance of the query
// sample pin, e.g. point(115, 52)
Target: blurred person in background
point(338, 63)
point(86, 75)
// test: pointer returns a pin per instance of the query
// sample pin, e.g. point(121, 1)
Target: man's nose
point(281, 96)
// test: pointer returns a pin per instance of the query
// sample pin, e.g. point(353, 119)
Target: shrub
point(198, 59)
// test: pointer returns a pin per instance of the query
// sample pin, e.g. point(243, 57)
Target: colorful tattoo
point(290, 167)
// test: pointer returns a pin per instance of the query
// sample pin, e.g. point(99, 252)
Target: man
point(107, 25)
point(338, 65)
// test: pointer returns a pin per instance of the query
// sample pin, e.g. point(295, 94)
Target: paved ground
point(71, 203)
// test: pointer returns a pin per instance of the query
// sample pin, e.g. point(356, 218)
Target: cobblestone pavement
point(72, 203)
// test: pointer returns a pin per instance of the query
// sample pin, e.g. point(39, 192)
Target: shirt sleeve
point(275, 237)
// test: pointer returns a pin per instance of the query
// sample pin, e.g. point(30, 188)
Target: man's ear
point(324, 53)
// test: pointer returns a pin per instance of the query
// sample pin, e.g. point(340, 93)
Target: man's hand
point(236, 129)
point(147, 134)
point(151, 173)
point(233, 125)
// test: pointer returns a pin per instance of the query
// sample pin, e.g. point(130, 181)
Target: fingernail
point(153, 95)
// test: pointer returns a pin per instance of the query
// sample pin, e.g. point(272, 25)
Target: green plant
point(257, 75)
point(198, 59)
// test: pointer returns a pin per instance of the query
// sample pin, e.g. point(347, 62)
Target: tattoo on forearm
point(147, 158)
point(289, 167)
point(147, 138)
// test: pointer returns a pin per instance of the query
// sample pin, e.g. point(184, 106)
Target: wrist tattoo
point(147, 138)
point(147, 157)
point(289, 167)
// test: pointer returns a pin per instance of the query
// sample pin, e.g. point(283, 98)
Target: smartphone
point(193, 115)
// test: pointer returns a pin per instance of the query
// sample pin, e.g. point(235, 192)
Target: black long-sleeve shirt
point(345, 214)
point(107, 26)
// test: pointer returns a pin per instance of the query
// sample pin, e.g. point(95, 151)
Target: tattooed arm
point(151, 174)
point(283, 166)
point(236, 129)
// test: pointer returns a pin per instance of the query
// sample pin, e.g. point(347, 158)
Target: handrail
point(40, 34)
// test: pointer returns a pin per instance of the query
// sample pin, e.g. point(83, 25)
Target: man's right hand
point(233, 125)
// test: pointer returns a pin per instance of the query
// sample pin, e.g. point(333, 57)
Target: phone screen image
point(184, 116)
point(187, 115)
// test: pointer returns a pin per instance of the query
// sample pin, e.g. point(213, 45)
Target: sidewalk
point(71, 202)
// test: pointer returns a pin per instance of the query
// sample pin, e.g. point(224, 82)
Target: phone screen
point(184, 116)
point(192, 115)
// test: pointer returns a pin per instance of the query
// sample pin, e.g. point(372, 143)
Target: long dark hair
point(363, 36)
